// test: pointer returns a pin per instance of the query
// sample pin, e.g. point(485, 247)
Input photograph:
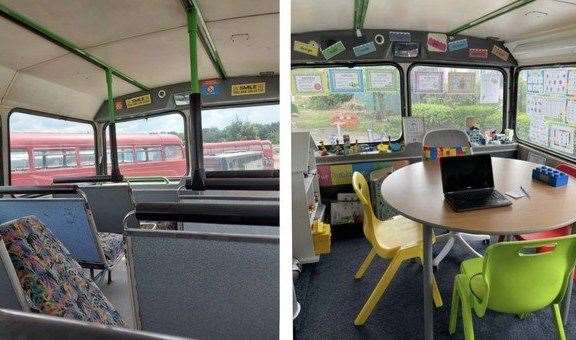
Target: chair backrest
point(446, 137)
point(522, 278)
point(52, 281)
point(205, 285)
point(11, 296)
point(68, 218)
point(109, 204)
point(567, 168)
point(362, 190)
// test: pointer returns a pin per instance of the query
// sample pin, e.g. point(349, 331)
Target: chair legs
point(445, 250)
point(365, 264)
point(436, 293)
point(461, 298)
point(378, 291)
point(558, 322)
point(457, 237)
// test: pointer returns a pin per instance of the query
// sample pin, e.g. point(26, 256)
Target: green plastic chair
point(513, 277)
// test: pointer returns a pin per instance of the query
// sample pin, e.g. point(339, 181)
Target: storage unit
point(306, 206)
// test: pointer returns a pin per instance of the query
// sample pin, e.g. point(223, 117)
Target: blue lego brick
point(550, 176)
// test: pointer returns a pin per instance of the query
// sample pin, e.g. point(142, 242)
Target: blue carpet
point(331, 298)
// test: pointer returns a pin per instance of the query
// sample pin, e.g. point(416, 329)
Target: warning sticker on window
point(248, 89)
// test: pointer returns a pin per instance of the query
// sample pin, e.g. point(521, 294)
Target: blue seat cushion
point(52, 281)
point(112, 244)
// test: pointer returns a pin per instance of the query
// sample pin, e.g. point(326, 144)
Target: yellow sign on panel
point(138, 101)
point(248, 89)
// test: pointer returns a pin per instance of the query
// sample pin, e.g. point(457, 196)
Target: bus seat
point(12, 296)
point(71, 222)
point(53, 282)
point(205, 284)
point(20, 325)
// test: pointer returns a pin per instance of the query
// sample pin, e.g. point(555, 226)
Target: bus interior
point(139, 168)
point(380, 91)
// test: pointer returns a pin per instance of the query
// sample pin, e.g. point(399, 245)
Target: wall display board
point(428, 82)
point(461, 82)
point(490, 88)
point(550, 104)
point(346, 80)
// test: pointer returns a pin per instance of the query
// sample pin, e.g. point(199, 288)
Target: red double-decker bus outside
point(38, 158)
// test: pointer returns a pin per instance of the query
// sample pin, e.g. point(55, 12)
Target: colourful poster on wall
point(378, 80)
point(309, 82)
point(346, 80)
point(461, 82)
point(341, 174)
point(324, 175)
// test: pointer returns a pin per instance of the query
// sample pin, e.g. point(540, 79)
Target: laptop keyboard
point(467, 200)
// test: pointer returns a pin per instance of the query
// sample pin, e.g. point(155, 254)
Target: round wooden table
point(416, 192)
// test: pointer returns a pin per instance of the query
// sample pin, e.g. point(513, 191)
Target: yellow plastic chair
point(398, 239)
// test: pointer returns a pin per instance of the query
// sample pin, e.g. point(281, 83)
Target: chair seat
point(112, 244)
point(472, 268)
point(397, 231)
point(546, 234)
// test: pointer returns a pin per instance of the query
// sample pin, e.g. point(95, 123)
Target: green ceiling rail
point(360, 9)
point(205, 37)
point(494, 14)
point(36, 28)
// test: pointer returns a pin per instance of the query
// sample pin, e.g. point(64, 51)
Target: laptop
point(468, 183)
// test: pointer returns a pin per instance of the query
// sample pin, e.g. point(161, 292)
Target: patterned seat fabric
point(52, 281)
point(112, 245)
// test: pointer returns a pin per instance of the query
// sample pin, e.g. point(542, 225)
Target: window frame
point(403, 102)
point(53, 116)
point(505, 83)
point(514, 110)
point(153, 115)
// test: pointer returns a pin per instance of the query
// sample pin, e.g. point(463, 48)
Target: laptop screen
point(466, 172)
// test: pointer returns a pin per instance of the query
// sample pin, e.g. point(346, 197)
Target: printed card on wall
point(341, 174)
point(310, 48)
point(436, 42)
point(572, 82)
point(377, 80)
point(556, 81)
point(413, 129)
point(347, 80)
point(500, 53)
point(461, 82)
point(458, 45)
point(428, 81)
point(364, 49)
point(309, 82)
point(324, 175)
point(478, 53)
point(399, 36)
point(333, 50)
point(364, 168)
point(490, 87)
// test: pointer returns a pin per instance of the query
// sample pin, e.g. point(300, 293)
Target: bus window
point(54, 144)
point(19, 160)
point(87, 157)
point(363, 102)
point(142, 140)
point(172, 152)
point(445, 96)
point(546, 108)
point(241, 138)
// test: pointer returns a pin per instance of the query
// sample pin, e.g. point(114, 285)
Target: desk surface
point(416, 192)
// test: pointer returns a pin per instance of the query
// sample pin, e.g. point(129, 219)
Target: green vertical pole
point(197, 153)
point(115, 171)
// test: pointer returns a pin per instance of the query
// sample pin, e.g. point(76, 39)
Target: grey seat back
point(110, 203)
point(446, 137)
point(208, 285)
point(11, 295)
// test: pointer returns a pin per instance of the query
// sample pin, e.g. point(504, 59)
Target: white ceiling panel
point(249, 45)
point(430, 15)
point(528, 20)
point(226, 9)
point(20, 48)
point(90, 22)
point(156, 59)
point(322, 15)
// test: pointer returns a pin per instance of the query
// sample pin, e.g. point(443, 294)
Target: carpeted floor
point(331, 298)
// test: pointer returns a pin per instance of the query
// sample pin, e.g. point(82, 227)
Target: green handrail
point(360, 9)
point(38, 29)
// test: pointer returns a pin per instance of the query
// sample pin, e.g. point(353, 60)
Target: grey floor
point(118, 292)
point(331, 298)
